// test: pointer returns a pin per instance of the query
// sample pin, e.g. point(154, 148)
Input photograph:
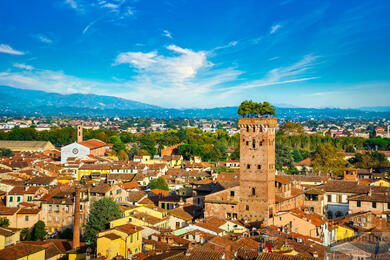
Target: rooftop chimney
point(76, 224)
point(79, 133)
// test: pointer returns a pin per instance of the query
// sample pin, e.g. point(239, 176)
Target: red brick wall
point(257, 167)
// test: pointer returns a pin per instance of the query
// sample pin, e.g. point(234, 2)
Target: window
point(358, 203)
point(29, 198)
point(11, 199)
point(248, 166)
point(253, 191)
point(118, 191)
point(228, 215)
point(329, 198)
point(259, 166)
point(57, 219)
point(50, 207)
point(247, 207)
point(67, 208)
point(110, 193)
point(231, 193)
point(253, 143)
point(374, 204)
point(388, 205)
point(247, 128)
point(247, 142)
point(57, 208)
point(18, 199)
point(26, 218)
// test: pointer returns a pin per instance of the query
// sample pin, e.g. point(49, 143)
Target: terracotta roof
point(306, 162)
point(209, 226)
point(136, 196)
point(93, 143)
point(28, 211)
point(216, 221)
point(99, 188)
point(281, 179)
point(129, 185)
point(275, 256)
point(120, 176)
point(41, 180)
point(128, 228)
point(180, 213)
point(158, 192)
point(373, 197)
point(111, 236)
point(8, 210)
point(18, 251)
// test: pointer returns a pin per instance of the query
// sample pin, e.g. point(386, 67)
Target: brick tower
point(79, 133)
point(76, 221)
point(257, 168)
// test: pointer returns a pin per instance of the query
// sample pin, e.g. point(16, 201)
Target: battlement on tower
point(257, 121)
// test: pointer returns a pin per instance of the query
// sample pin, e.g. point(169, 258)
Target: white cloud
point(281, 75)
point(72, 3)
point(275, 28)
point(176, 68)
point(138, 60)
point(43, 38)
point(52, 81)
point(23, 66)
point(4, 48)
point(166, 33)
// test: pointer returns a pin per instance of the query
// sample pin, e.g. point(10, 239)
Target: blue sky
point(182, 53)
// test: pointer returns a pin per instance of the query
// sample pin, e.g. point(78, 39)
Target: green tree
point(25, 234)
point(290, 128)
point(122, 155)
point(38, 231)
point(118, 145)
point(101, 213)
point(235, 155)
point(327, 159)
point(4, 152)
point(297, 156)
point(283, 156)
point(158, 183)
point(67, 233)
point(4, 222)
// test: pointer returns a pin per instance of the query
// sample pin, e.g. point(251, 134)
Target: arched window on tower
point(247, 128)
point(253, 192)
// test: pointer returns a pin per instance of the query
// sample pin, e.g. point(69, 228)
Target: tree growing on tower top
point(256, 109)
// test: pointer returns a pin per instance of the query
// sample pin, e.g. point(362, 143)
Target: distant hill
point(376, 109)
point(23, 99)
point(14, 101)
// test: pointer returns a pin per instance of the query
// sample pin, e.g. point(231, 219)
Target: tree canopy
point(101, 213)
point(158, 183)
point(327, 159)
point(256, 109)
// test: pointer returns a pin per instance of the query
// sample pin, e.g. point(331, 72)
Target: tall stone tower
point(79, 133)
point(257, 168)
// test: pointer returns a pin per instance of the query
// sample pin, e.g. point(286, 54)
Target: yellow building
point(124, 240)
point(147, 215)
point(8, 237)
point(23, 251)
point(88, 169)
point(381, 182)
point(344, 232)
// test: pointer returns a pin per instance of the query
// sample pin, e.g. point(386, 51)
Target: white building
point(73, 150)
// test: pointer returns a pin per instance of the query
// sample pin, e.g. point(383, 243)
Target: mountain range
point(16, 101)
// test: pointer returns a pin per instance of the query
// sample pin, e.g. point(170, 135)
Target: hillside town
point(82, 201)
